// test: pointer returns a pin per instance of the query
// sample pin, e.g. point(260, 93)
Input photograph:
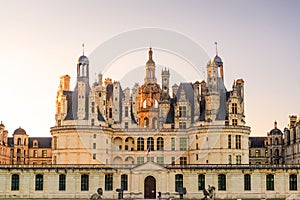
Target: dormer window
point(35, 143)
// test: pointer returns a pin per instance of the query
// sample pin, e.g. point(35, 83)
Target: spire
point(82, 48)
point(150, 54)
point(216, 48)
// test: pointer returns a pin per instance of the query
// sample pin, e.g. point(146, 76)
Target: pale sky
point(41, 40)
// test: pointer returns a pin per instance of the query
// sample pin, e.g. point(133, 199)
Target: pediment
point(149, 166)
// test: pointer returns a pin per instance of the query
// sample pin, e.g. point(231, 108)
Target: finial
point(150, 53)
point(275, 125)
point(216, 48)
point(82, 48)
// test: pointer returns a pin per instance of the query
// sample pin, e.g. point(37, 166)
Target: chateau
point(200, 123)
point(278, 147)
point(24, 150)
point(149, 139)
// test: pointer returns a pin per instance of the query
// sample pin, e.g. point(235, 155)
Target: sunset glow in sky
point(41, 40)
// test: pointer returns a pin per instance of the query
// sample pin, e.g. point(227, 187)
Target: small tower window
point(234, 108)
point(234, 122)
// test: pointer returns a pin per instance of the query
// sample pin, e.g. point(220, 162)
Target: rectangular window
point(257, 153)
point(173, 144)
point(84, 182)
point(126, 125)
point(222, 182)
point(35, 153)
point(182, 111)
point(108, 182)
point(62, 182)
point(95, 136)
point(229, 141)
point(140, 160)
point(94, 146)
point(44, 153)
point(182, 125)
point(270, 182)
point(234, 108)
point(160, 160)
point(15, 182)
point(39, 180)
point(124, 182)
point(238, 141)
point(93, 107)
point(183, 160)
point(229, 159)
point(247, 182)
point(234, 122)
point(55, 142)
point(238, 159)
point(293, 182)
point(183, 144)
point(94, 156)
point(201, 182)
point(93, 122)
point(178, 182)
point(126, 111)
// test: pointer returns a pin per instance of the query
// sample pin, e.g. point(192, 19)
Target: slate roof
point(257, 142)
point(43, 142)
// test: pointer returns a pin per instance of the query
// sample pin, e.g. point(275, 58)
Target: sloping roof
point(72, 98)
point(43, 142)
point(10, 141)
point(100, 116)
point(257, 142)
point(69, 95)
point(171, 113)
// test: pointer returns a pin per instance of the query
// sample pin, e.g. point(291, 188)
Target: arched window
point(62, 182)
point(140, 144)
point(124, 182)
point(293, 181)
point(15, 182)
point(155, 103)
point(144, 104)
point(201, 182)
point(154, 123)
point(150, 143)
point(84, 182)
point(19, 141)
point(222, 182)
point(25, 141)
point(160, 144)
point(247, 182)
point(276, 141)
point(39, 182)
point(270, 182)
point(146, 122)
point(178, 182)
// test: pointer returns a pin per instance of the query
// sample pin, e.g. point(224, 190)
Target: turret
point(165, 77)
point(150, 69)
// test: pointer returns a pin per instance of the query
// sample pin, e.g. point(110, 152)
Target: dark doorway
point(150, 188)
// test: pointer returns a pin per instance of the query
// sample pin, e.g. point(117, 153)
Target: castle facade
point(190, 123)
